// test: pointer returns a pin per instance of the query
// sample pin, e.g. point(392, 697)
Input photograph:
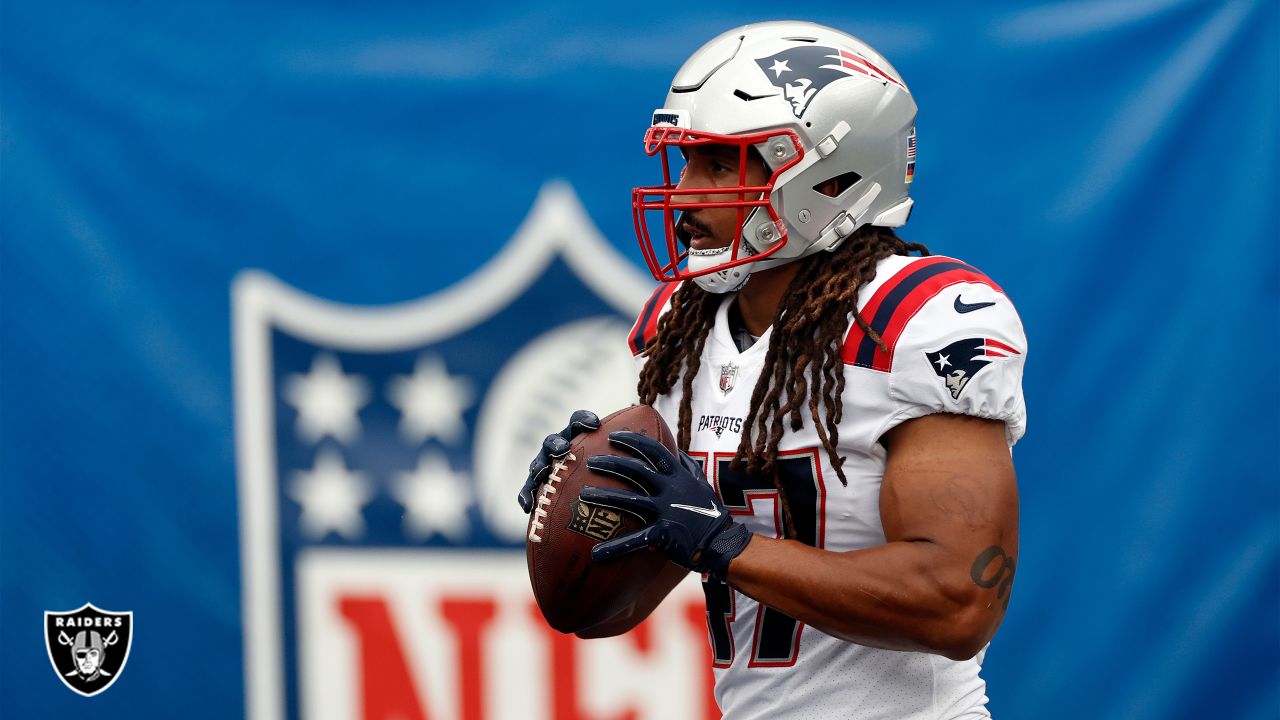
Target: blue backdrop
point(1112, 164)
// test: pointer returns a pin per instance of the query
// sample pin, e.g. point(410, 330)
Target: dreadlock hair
point(803, 365)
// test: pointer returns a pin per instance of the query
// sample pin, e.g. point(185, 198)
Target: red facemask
point(658, 198)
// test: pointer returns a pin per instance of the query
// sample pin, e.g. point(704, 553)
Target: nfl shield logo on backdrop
point(380, 453)
point(88, 647)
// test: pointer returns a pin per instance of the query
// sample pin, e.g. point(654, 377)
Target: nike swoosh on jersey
point(712, 511)
point(964, 307)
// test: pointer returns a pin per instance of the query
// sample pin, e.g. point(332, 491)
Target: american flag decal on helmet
point(911, 154)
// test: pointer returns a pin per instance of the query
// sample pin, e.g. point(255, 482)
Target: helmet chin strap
point(729, 280)
point(725, 281)
point(734, 278)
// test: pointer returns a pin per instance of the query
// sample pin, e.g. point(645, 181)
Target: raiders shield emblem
point(88, 647)
point(728, 375)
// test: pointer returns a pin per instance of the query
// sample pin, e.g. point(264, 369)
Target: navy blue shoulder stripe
point(889, 304)
point(652, 306)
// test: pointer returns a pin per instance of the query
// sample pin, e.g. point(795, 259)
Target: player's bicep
point(949, 480)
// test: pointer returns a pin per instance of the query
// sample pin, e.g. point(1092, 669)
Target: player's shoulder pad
point(646, 325)
point(929, 298)
point(955, 344)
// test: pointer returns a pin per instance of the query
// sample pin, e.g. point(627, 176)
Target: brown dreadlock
point(803, 359)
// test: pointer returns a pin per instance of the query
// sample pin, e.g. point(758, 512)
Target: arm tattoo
point(984, 576)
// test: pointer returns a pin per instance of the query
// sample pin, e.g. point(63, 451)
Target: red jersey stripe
point(911, 305)
point(646, 325)
point(856, 335)
point(895, 302)
point(1000, 346)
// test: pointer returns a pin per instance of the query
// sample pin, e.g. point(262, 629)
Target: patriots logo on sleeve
point(958, 362)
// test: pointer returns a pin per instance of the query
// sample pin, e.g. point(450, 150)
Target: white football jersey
point(956, 345)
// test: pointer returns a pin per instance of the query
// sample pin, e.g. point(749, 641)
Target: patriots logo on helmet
point(802, 72)
point(958, 362)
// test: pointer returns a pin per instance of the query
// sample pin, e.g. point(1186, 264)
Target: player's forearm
point(906, 595)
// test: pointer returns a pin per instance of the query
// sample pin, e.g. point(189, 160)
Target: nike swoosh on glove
point(687, 522)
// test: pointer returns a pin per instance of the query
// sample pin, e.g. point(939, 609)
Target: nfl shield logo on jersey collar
point(728, 376)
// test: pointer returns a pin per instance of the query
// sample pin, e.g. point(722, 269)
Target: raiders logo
point(88, 647)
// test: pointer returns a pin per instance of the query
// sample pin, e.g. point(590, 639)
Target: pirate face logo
point(958, 362)
point(802, 72)
point(88, 647)
point(87, 650)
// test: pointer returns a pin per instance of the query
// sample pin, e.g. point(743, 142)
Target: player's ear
point(832, 187)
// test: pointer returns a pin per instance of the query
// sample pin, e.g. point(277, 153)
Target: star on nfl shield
point(380, 450)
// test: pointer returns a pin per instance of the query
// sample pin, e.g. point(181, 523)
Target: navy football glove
point(555, 447)
point(687, 521)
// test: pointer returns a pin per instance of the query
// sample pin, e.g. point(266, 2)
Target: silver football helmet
point(816, 104)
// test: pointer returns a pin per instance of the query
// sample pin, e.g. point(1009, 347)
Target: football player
point(846, 403)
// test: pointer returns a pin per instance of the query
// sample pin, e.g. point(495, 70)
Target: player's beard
point(684, 224)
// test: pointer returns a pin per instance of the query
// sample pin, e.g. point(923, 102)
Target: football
point(573, 592)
